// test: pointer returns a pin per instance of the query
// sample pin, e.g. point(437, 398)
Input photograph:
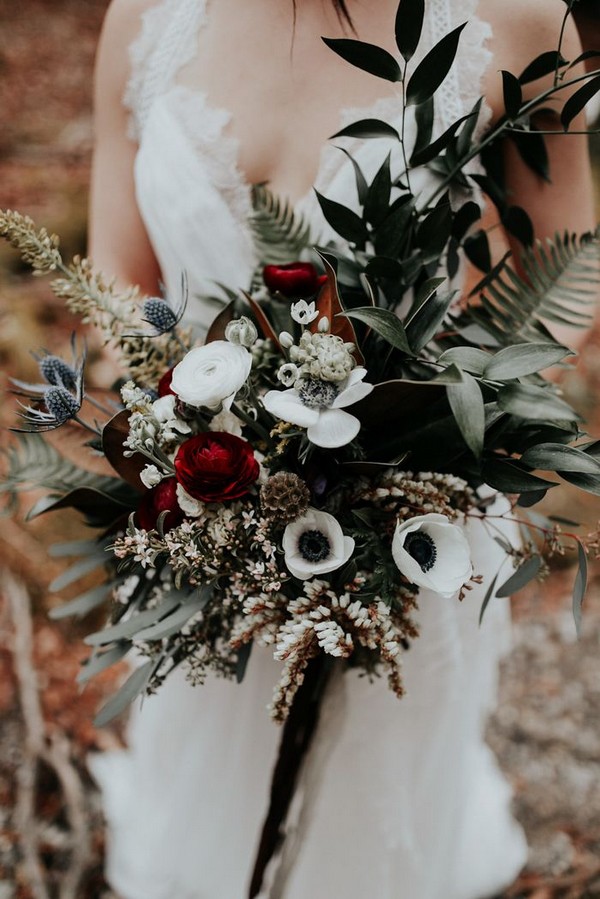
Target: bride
point(196, 101)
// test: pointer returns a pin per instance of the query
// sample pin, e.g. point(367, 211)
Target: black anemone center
point(314, 546)
point(317, 394)
point(421, 547)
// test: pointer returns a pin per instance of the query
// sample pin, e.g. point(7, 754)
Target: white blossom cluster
point(322, 356)
point(425, 492)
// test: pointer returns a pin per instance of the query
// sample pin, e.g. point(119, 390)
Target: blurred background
point(547, 729)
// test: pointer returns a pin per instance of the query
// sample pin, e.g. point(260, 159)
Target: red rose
point(215, 466)
point(164, 385)
point(162, 498)
point(295, 280)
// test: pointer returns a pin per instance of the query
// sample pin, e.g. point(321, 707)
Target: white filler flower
point(432, 552)
point(319, 406)
point(315, 544)
point(211, 375)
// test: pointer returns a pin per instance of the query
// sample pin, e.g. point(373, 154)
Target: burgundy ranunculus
point(294, 281)
point(164, 385)
point(162, 498)
point(215, 466)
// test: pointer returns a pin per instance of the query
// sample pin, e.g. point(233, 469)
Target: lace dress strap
point(166, 42)
point(462, 88)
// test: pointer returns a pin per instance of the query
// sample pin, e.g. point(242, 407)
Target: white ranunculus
point(211, 375)
point(150, 476)
point(226, 421)
point(321, 411)
point(315, 544)
point(432, 552)
point(189, 505)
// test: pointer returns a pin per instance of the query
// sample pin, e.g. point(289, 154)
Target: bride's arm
point(118, 243)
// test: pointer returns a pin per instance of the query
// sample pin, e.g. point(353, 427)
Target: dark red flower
point(162, 498)
point(215, 466)
point(164, 385)
point(295, 280)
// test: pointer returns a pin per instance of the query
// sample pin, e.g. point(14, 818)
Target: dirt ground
point(546, 731)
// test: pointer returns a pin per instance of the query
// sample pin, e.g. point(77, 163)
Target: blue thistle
point(57, 372)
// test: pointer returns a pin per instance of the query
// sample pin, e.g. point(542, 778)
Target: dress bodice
point(194, 199)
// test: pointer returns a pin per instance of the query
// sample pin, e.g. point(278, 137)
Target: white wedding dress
point(398, 799)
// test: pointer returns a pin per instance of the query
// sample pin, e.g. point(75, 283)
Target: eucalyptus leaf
point(579, 586)
point(524, 359)
point(467, 406)
point(537, 403)
point(83, 604)
point(366, 56)
point(135, 684)
point(409, 25)
point(78, 570)
point(100, 661)
point(136, 622)
point(525, 573)
point(173, 623)
point(433, 69)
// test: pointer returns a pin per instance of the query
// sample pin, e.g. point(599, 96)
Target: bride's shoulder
point(122, 25)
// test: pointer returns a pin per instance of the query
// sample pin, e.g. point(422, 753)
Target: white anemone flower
point(432, 552)
point(319, 405)
point(315, 544)
point(212, 374)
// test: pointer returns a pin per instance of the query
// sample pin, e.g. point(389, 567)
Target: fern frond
point(34, 463)
point(280, 234)
point(561, 278)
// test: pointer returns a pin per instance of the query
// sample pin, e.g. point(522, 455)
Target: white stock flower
point(315, 544)
point(150, 476)
point(189, 505)
point(171, 425)
point(304, 313)
point(226, 421)
point(432, 552)
point(211, 375)
point(318, 406)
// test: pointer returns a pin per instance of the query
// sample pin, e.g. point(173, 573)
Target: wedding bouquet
point(302, 478)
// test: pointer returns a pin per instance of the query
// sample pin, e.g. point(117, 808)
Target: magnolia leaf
point(513, 94)
point(544, 64)
point(113, 436)
point(469, 358)
point(344, 221)
point(391, 402)
point(81, 605)
point(217, 327)
point(99, 508)
point(367, 128)
point(409, 25)
point(433, 69)
point(524, 359)
point(536, 403)
point(135, 684)
point(557, 457)
point(579, 586)
point(578, 101)
point(330, 305)
point(385, 323)
point(525, 573)
point(366, 56)
point(467, 406)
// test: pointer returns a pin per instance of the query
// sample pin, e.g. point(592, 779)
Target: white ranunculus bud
point(323, 325)
point(286, 340)
point(150, 476)
point(432, 552)
point(211, 375)
point(241, 332)
point(315, 544)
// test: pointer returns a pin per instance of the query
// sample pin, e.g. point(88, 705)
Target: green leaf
point(486, 599)
point(77, 571)
point(524, 359)
point(409, 25)
point(468, 358)
point(557, 457)
point(525, 573)
point(508, 477)
point(243, 657)
point(580, 585)
point(100, 661)
point(534, 403)
point(365, 56)
point(518, 223)
point(280, 234)
point(578, 101)
point(585, 481)
point(477, 249)
point(513, 94)
point(83, 604)
point(544, 64)
point(136, 622)
point(467, 406)
point(433, 69)
point(421, 156)
point(424, 324)
point(173, 623)
point(343, 220)
point(367, 128)
point(424, 118)
point(362, 188)
point(135, 684)
point(385, 323)
point(390, 235)
point(378, 196)
point(532, 149)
